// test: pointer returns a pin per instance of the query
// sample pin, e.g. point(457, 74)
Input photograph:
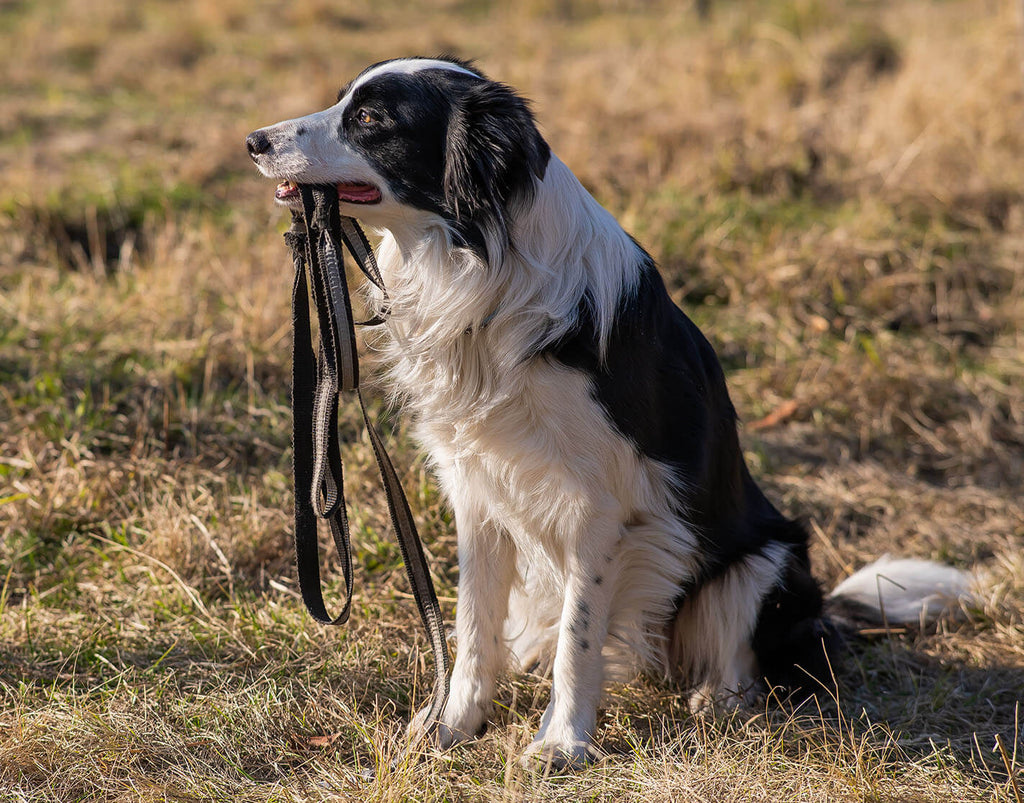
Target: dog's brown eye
point(365, 117)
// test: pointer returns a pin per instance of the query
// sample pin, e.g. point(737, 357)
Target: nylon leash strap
point(315, 240)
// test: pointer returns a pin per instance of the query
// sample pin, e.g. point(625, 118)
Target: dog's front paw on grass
point(440, 735)
point(552, 758)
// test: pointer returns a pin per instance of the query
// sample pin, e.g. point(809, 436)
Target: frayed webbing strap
point(315, 241)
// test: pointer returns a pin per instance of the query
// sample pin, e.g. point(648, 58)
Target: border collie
point(577, 420)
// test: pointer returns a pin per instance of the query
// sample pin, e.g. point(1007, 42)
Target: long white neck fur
point(564, 248)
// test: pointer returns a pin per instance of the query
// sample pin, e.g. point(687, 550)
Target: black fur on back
point(663, 388)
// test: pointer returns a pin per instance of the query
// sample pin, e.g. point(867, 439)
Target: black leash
point(315, 240)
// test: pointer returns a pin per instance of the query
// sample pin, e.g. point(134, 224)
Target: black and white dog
point(578, 421)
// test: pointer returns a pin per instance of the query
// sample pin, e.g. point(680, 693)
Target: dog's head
point(427, 136)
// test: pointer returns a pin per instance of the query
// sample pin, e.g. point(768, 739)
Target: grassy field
point(835, 193)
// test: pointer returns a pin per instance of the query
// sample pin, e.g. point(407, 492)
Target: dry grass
point(834, 193)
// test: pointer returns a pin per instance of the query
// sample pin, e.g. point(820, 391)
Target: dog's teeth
point(285, 189)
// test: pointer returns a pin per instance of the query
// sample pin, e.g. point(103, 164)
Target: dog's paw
point(702, 703)
point(553, 758)
point(448, 732)
point(712, 700)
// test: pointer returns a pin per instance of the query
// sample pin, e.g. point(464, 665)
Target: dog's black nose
point(257, 142)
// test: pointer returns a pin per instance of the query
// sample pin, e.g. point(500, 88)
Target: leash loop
point(315, 240)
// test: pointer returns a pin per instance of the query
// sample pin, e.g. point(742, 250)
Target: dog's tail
point(902, 591)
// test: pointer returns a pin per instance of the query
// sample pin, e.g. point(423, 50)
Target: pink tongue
point(358, 192)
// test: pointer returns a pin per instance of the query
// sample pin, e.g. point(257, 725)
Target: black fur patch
point(464, 147)
point(793, 640)
point(494, 153)
point(663, 388)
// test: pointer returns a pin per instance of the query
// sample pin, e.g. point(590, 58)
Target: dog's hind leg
point(567, 727)
point(710, 643)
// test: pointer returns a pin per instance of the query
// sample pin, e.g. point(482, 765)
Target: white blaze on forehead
point(403, 67)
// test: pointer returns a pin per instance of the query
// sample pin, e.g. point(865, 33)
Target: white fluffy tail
point(904, 591)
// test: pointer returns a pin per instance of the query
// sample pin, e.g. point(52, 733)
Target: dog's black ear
point(494, 154)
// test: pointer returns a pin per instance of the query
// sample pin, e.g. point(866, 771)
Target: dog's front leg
point(487, 568)
point(567, 727)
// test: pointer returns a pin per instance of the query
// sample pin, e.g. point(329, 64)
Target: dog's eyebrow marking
point(402, 67)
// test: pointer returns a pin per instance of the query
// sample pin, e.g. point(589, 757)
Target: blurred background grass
point(835, 193)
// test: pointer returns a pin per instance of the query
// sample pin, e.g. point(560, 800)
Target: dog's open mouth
point(349, 192)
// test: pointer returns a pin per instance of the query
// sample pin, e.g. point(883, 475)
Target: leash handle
point(315, 240)
point(308, 453)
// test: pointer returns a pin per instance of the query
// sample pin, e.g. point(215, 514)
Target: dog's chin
point(349, 192)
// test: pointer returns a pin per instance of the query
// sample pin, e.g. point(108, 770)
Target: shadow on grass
point(956, 705)
point(897, 707)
